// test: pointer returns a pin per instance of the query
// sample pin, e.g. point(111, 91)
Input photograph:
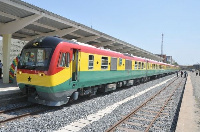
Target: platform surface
point(8, 88)
point(188, 121)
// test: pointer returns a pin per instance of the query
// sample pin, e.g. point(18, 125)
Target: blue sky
point(139, 22)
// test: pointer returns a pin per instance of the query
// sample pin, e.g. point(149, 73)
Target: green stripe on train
point(92, 78)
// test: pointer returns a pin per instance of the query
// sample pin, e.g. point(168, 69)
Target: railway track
point(6, 114)
point(144, 117)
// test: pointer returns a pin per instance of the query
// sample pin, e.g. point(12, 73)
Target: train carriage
point(52, 70)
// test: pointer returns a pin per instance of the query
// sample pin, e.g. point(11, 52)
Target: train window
point(142, 66)
point(139, 65)
point(35, 58)
point(153, 66)
point(67, 57)
point(120, 61)
point(73, 57)
point(135, 64)
point(91, 62)
point(64, 60)
point(104, 62)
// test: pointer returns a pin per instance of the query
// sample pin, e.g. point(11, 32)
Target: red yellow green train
point(52, 71)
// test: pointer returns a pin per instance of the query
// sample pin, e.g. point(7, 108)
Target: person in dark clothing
point(177, 73)
point(185, 74)
point(196, 73)
point(0, 69)
point(181, 73)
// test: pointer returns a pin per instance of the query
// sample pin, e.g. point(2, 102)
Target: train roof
point(48, 41)
point(51, 41)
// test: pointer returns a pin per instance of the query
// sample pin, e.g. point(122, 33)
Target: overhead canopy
point(25, 22)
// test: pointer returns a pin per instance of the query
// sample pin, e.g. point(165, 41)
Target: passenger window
point(104, 63)
point(68, 59)
point(142, 65)
point(91, 62)
point(136, 65)
point(64, 60)
point(139, 65)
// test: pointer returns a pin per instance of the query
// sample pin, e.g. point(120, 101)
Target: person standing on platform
point(185, 74)
point(181, 73)
point(1, 65)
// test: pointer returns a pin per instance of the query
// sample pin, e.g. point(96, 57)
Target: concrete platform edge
point(187, 121)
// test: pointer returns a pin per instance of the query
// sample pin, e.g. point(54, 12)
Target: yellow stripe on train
point(44, 80)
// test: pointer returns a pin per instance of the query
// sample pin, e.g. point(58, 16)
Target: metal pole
point(162, 46)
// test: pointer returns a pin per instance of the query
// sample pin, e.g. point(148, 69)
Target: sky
point(139, 22)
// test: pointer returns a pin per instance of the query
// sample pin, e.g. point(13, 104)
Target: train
point(53, 71)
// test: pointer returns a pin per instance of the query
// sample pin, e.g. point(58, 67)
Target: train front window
point(35, 58)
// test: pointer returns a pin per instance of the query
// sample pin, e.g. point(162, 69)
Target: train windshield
point(35, 59)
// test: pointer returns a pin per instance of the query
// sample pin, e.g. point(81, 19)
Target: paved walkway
point(187, 121)
point(8, 88)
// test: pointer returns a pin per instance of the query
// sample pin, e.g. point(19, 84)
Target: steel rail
point(166, 102)
point(112, 128)
point(20, 116)
point(27, 114)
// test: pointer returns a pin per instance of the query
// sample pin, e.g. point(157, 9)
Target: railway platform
point(8, 88)
point(189, 112)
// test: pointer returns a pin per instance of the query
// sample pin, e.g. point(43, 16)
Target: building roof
point(26, 22)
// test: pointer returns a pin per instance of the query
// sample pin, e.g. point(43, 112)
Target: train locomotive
point(52, 71)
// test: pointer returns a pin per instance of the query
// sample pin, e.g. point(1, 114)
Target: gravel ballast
point(55, 120)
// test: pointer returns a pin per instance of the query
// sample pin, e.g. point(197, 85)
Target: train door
point(147, 68)
point(75, 61)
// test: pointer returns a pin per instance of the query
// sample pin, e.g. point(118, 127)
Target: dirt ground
point(189, 116)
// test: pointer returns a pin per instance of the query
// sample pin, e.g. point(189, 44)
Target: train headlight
point(41, 74)
point(19, 72)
